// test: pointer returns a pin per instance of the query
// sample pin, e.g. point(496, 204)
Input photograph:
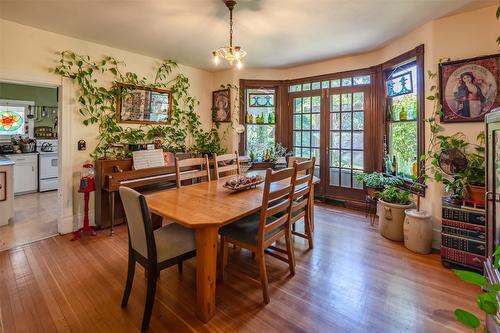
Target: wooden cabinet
point(25, 173)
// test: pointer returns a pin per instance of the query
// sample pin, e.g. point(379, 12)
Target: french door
point(330, 124)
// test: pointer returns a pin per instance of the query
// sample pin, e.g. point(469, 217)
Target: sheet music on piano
point(144, 159)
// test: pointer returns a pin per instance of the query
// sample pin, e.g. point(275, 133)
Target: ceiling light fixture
point(230, 53)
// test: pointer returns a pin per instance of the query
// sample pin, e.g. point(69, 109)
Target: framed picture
point(221, 106)
point(141, 105)
point(469, 88)
point(3, 185)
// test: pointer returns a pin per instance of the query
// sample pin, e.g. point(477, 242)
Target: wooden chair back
point(302, 184)
point(277, 198)
point(293, 159)
point(191, 168)
point(233, 166)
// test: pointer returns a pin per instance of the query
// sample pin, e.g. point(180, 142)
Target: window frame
point(413, 56)
point(277, 85)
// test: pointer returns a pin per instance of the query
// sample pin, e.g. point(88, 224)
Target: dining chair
point(154, 250)
point(191, 168)
point(258, 231)
point(232, 164)
point(293, 159)
point(302, 181)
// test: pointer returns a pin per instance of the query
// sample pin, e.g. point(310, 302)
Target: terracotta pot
point(418, 231)
point(476, 193)
point(391, 218)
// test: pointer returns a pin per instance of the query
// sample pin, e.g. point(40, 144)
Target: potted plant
point(278, 154)
point(376, 181)
point(393, 202)
point(208, 143)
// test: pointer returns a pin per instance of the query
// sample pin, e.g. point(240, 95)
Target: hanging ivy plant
point(98, 105)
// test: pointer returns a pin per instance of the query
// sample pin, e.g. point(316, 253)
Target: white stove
point(48, 165)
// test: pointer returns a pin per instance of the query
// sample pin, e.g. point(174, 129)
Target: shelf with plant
point(97, 102)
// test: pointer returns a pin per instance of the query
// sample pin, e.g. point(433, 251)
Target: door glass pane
point(306, 122)
point(357, 140)
point(358, 101)
point(358, 121)
point(334, 177)
point(334, 121)
point(306, 102)
point(306, 139)
point(315, 153)
point(345, 141)
point(297, 105)
point(357, 159)
point(334, 139)
point(316, 104)
point(315, 122)
point(335, 103)
point(297, 138)
point(345, 178)
point(297, 122)
point(334, 158)
point(346, 121)
point(345, 158)
point(315, 139)
point(356, 184)
point(346, 102)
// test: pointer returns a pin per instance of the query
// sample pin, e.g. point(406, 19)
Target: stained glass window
point(11, 120)
point(261, 100)
point(400, 84)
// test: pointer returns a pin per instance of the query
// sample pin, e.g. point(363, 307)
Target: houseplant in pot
point(474, 174)
point(393, 202)
point(376, 181)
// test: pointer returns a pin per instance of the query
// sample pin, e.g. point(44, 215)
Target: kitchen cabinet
point(25, 173)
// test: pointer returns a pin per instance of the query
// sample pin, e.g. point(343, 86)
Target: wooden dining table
point(205, 207)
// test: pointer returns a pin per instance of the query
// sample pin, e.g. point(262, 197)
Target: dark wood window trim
point(280, 94)
point(284, 123)
point(416, 55)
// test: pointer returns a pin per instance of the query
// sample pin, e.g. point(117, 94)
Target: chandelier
point(230, 53)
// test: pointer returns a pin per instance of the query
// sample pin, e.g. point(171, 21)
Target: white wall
point(28, 54)
point(461, 36)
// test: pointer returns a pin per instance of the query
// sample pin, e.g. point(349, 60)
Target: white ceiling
point(275, 33)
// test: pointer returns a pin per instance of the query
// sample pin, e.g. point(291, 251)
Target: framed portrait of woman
point(221, 106)
point(469, 88)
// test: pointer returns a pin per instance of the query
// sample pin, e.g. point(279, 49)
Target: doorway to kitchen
point(29, 163)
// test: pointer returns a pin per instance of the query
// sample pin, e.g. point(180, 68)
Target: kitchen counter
point(5, 161)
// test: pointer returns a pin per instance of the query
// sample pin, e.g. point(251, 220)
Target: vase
point(418, 231)
point(391, 219)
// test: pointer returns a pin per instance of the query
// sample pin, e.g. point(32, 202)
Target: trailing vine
point(98, 106)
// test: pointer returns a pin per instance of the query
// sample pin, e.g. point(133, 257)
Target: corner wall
point(460, 36)
point(28, 54)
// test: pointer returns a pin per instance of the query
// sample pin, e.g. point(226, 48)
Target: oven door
point(49, 166)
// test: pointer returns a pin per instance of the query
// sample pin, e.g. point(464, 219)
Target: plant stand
point(370, 204)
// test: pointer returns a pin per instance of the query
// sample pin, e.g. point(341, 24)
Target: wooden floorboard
point(352, 281)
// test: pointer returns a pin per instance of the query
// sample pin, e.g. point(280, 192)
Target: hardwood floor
point(352, 281)
point(34, 219)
